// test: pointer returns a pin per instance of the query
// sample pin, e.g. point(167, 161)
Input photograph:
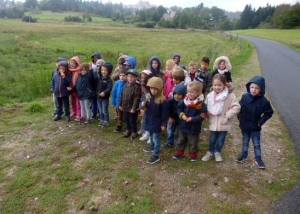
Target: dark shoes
point(118, 129)
point(68, 119)
point(153, 160)
point(260, 164)
point(56, 118)
point(241, 158)
point(168, 145)
point(127, 134)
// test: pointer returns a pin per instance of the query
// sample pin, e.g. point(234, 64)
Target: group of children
point(177, 99)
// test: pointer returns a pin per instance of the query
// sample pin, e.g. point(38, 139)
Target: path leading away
point(280, 66)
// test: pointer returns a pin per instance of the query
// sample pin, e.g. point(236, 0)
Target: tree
point(30, 4)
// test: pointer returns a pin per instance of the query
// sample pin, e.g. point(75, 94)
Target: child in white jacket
point(222, 107)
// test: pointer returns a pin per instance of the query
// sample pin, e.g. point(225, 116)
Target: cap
point(133, 72)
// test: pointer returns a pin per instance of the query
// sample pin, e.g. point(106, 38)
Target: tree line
point(283, 16)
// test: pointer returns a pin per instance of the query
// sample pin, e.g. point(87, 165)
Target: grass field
point(60, 167)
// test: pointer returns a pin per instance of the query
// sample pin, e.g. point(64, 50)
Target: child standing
point(222, 106)
point(255, 111)
point(74, 68)
point(129, 103)
point(120, 65)
point(192, 70)
point(178, 94)
point(116, 94)
point(60, 83)
point(192, 111)
point(104, 87)
point(95, 56)
point(85, 91)
point(155, 66)
point(156, 116)
point(205, 74)
point(223, 66)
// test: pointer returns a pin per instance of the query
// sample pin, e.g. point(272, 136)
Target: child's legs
point(81, 102)
point(94, 105)
point(193, 142)
point(120, 117)
point(99, 104)
point(55, 102)
point(156, 143)
point(181, 143)
point(220, 140)
point(73, 104)
point(59, 106)
point(126, 115)
point(256, 144)
point(86, 106)
point(66, 104)
point(212, 141)
point(246, 140)
point(133, 122)
point(78, 107)
point(105, 103)
point(171, 132)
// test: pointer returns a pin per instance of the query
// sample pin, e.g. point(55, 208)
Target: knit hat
point(109, 67)
point(180, 89)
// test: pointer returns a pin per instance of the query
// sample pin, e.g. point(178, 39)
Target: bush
point(146, 25)
point(35, 107)
point(73, 19)
point(29, 19)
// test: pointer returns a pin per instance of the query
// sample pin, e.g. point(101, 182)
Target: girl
point(155, 66)
point(85, 91)
point(168, 83)
point(222, 106)
point(223, 66)
point(74, 68)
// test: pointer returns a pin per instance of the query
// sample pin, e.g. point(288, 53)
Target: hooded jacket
point(228, 67)
point(179, 89)
point(75, 71)
point(156, 72)
point(255, 110)
point(94, 66)
point(84, 85)
point(132, 61)
point(58, 84)
point(157, 107)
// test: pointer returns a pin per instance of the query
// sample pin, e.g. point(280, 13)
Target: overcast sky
point(229, 5)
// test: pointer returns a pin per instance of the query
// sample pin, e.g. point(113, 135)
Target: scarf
point(191, 103)
point(215, 102)
point(222, 71)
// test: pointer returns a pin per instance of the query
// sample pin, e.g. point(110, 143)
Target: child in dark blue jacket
point(255, 111)
point(192, 111)
point(60, 82)
point(156, 116)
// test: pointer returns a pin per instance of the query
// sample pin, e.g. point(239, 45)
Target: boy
point(178, 94)
point(205, 74)
point(192, 111)
point(156, 116)
point(61, 80)
point(129, 103)
point(192, 70)
point(115, 99)
point(255, 111)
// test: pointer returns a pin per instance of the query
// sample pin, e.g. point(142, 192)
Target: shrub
point(35, 107)
point(73, 19)
point(28, 19)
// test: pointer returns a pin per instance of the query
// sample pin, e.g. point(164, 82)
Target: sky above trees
point(228, 5)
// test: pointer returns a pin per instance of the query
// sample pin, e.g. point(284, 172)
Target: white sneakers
point(209, 156)
point(145, 136)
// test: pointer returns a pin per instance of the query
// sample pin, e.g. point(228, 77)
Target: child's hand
point(184, 117)
point(171, 121)
point(69, 88)
point(132, 111)
point(142, 112)
point(121, 108)
point(102, 94)
point(189, 119)
point(163, 128)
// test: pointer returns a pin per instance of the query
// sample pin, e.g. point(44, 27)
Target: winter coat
point(179, 89)
point(117, 91)
point(223, 121)
point(206, 75)
point(131, 96)
point(198, 114)
point(105, 85)
point(59, 85)
point(228, 67)
point(84, 86)
point(157, 72)
point(255, 110)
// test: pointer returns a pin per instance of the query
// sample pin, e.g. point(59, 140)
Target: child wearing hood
point(130, 62)
point(223, 66)
point(156, 116)
point(255, 111)
point(104, 87)
point(155, 66)
point(120, 65)
point(74, 68)
point(95, 56)
point(192, 111)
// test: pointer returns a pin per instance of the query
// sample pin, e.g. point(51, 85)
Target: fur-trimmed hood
point(227, 62)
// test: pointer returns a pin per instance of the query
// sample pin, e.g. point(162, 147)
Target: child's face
point(143, 78)
point(192, 93)
point(153, 91)
point(131, 78)
point(154, 64)
point(95, 58)
point(178, 97)
point(176, 60)
point(83, 71)
point(193, 69)
point(218, 86)
point(170, 67)
point(254, 89)
point(222, 65)
point(104, 71)
point(204, 65)
point(123, 77)
point(98, 68)
point(176, 81)
point(61, 69)
point(72, 64)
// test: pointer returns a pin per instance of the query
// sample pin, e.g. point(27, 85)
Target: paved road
point(280, 66)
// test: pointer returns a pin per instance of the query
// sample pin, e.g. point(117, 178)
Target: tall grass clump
point(35, 107)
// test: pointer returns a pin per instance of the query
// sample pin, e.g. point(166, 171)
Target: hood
point(60, 59)
point(96, 53)
point(180, 89)
point(65, 64)
point(132, 61)
point(227, 62)
point(77, 60)
point(259, 81)
point(176, 55)
point(109, 67)
point(156, 82)
point(156, 58)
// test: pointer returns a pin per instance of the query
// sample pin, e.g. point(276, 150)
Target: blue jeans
point(171, 132)
point(94, 105)
point(155, 143)
point(216, 141)
point(103, 109)
point(255, 136)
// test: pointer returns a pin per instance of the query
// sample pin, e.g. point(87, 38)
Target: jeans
point(130, 119)
point(94, 105)
point(155, 143)
point(103, 109)
point(216, 141)
point(255, 136)
point(85, 108)
point(171, 132)
point(63, 101)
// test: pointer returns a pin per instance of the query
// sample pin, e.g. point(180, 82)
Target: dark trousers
point(130, 119)
point(63, 102)
point(185, 139)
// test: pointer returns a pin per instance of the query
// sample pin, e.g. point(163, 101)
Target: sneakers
point(260, 164)
point(127, 134)
point(218, 157)
point(88, 121)
point(94, 116)
point(176, 157)
point(193, 159)
point(118, 129)
point(148, 141)
point(77, 119)
point(105, 123)
point(56, 118)
point(145, 136)
point(241, 158)
point(133, 136)
point(148, 149)
point(207, 157)
point(101, 123)
point(140, 132)
point(153, 160)
point(168, 145)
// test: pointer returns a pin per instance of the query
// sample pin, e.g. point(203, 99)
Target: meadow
point(60, 167)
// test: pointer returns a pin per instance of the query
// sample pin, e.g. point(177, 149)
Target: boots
point(127, 133)
point(133, 135)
